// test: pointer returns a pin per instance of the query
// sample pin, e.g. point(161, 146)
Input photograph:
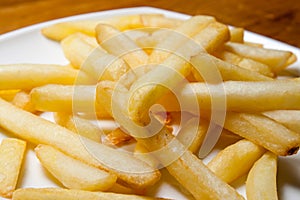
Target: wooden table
point(279, 19)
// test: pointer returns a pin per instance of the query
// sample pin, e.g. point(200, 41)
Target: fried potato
point(237, 35)
point(23, 100)
point(11, 158)
point(118, 138)
point(120, 45)
point(264, 131)
point(73, 173)
point(187, 169)
point(34, 129)
point(84, 52)
point(235, 160)
point(289, 118)
point(65, 194)
point(79, 125)
point(246, 63)
point(173, 39)
point(275, 59)
point(8, 95)
point(261, 180)
point(69, 99)
point(28, 76)
point(241, 96)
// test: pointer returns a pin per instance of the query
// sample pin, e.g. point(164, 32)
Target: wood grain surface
point(279, 19)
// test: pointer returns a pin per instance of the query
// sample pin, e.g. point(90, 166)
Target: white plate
point(27, 45)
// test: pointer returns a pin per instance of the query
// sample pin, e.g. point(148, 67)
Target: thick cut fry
point(237, 35)
point(73, 173)
point(264, 131)
point(11, 157)
point(22, 100)
point(79, 125)
point(175, 38)
point(28, 76)
point(40, 131)
point(65, 194)
point(83, 53)
point(70, 99)
point(235, 160)
point(275, 59)
point(246, 63)
point(289, 118)
point(118, 44)
point(261, 181)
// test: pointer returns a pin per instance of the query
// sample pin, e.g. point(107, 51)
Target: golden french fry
point(289, 118)
point(246, 63)
point(175, 38)
point(118, 44)
point(189, 171)
point(28, 76)
point(77, 47)
point(85, 53)
point(66, 194)
point(261, 181)
point(79, 125)
point(143, 154)
point(22, 100)
point(264, 132)
point(11, 157)
point(34, 129)
point(159, 21)
point(242, 96)
point(275, 59)
point(69, 99)
point(73, 173)
point(227, 70)
point(237, 35)
point(235, 160)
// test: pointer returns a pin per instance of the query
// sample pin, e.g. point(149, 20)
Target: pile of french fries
point(208, 81)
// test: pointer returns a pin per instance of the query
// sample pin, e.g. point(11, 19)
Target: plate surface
point(27, 45)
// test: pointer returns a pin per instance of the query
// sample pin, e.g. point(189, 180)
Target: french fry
point(181, 163)
point(264, 132)
point(235, 160)
point(69, 99)
point(77, 47)
point(246, 63)
point(177, 37)
point(237, 35)
point(28, 76)
point(11, 157)
point(73, 173)
point(261, 180)
point(65, 194)
point(189, 171)
point(275, 59)
point(289, 118)
point(34, 129)
point(22, 100)
point(120, 45)
point(85, 53)
point(241, 96)
point(228, 71)
point(79, 125)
